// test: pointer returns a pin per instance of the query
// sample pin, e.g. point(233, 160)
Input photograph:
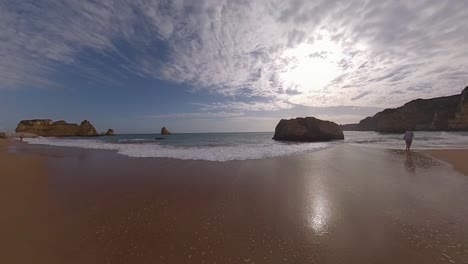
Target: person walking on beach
point(408, 137)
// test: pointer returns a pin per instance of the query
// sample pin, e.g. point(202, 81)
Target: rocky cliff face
point(437, 114)
point(47, 128)
point(460, 121)
point(307, 129)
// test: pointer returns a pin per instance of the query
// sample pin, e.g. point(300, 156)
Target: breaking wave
point(209, 153)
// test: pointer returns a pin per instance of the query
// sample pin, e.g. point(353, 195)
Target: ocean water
point(422, 140)
point(244, 146)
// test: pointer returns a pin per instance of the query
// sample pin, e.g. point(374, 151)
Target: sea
point(244, 146)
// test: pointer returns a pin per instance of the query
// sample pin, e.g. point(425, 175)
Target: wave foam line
point(216, 153)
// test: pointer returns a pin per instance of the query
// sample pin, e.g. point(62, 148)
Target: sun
point(311, 67)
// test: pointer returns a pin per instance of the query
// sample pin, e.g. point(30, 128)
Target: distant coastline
point(449, 113)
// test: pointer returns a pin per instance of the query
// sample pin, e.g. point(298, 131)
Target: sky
point(224, 66)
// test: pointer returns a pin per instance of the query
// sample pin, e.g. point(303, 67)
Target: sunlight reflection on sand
point(319, 215)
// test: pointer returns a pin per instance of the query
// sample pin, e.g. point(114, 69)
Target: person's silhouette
point(408, 137)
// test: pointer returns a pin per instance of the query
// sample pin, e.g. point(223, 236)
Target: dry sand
point(340, 205)
point(456, 157)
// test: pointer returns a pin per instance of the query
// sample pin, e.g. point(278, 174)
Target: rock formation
point(3, 135)
point(47, 128)
point(86, 129)
point(307, 129)
point(110, 132)
point(448, 113)
point(460, 121)
point(164, 131)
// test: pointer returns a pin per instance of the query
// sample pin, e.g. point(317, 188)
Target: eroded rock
point(308, 129)
point(47, 128)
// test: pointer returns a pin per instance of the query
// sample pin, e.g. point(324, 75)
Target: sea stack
point(307, 129)
point(164, 131)
point(110, 132)
point(47, 128)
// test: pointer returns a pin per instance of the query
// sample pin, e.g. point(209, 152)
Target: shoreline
point(71, 205)
point(455, 157)
point(202, 146)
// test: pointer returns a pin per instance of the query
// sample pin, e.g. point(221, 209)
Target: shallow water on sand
point(244, 146)
point(340, 205)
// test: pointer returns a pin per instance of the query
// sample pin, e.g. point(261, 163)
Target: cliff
point(448, 113)
point(47, 128)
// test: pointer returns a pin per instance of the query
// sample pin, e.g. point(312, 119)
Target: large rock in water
point(307, 129)
point(110, 132)
point(448, 113)
point(47, 128)
point(164, 131)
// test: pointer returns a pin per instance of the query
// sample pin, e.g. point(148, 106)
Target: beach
point(343, 204)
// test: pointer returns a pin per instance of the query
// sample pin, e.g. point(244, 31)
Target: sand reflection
point(319, 216)
point(11, 149)
point(319, 211)
point(409, 163)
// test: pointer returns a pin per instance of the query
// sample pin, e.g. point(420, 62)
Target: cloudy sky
point(214, 65)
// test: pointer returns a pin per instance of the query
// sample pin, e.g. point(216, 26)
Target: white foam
point(216, 153)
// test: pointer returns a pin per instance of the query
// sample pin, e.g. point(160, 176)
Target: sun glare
point(311, 67)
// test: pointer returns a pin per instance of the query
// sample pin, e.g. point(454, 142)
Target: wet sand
point(458, 158)
point(24, 203)
point(340, 205)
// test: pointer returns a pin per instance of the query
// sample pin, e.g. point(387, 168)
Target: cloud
point(271, 105)
point(361, 95)
point(270, 51)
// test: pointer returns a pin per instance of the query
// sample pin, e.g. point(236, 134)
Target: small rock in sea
point(110, 132)
point(165, 131)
